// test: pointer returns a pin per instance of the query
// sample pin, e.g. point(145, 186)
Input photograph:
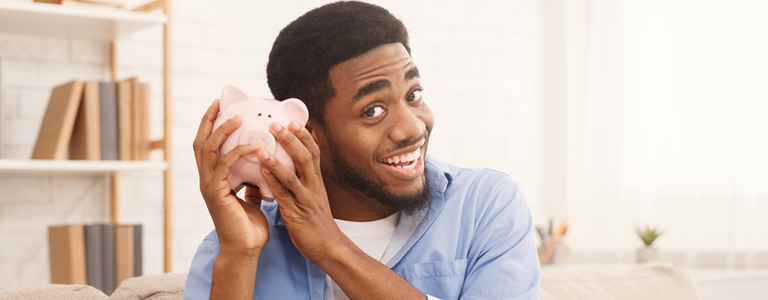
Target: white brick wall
point(479, 63)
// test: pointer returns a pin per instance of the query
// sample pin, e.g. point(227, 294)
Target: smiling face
point(375, 134)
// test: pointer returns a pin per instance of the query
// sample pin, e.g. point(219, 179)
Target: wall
point(479, 64)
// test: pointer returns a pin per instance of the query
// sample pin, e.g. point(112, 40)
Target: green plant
point(648, 234)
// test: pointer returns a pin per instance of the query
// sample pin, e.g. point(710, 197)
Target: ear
point(317, 131)
point(314, 128)
point(295, 109)
point(230, 95)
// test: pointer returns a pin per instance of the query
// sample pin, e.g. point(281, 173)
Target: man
point(367, 214)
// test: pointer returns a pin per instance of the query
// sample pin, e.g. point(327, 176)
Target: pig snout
point(261, 137)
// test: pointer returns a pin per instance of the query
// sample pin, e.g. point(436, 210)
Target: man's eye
point(374, 111)
point(415, 95)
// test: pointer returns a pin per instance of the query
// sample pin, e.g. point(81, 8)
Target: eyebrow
point(370, 88)
point(412, 73)
point(382, 84)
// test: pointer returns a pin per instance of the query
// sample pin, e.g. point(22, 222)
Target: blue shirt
point(473, 242)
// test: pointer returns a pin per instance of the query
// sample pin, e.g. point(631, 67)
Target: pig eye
point(270, 116)
point(259, 114)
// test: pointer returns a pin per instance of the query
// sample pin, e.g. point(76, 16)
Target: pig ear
point(230, 95)
point(295, 109)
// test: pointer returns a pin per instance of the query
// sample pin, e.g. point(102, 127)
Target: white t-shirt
point(372, 237)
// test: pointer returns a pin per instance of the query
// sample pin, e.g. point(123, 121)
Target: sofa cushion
point(154, 287)
point(55, 291)
point(652, 281)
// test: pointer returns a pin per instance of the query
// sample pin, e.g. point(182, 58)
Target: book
point(94, 256)
point(2, 116)
point(108, 120)
point(85, 143)
point(124, 255)
point(112, 3)
point(142, 122)
point(84, 3)
point(136, 112)
point(58, 121)
point(66, 246)
point(138, 250)
point(108, 263)
point(125, 93)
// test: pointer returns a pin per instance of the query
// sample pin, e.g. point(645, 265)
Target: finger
point(252, 195)
point(204, 130)
point(209, 153)
point(299, 153)
point(289, 185)
point(282, 195)
point(306, 138)
point(226, 162)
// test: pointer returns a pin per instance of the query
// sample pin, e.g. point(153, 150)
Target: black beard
point(354, 179)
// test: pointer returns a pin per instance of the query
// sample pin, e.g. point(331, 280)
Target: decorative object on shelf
point(648, 252)
point(550, 241)
point(257, 115)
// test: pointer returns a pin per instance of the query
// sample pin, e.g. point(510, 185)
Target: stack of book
point(99, 255)
point(96, 121)
point(87, 3)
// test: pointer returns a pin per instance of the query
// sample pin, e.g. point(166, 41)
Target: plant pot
point(646, 254)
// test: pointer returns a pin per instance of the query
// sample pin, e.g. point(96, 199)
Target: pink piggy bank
point(257, 115)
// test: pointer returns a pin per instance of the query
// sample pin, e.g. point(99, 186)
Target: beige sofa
point(156, 287)
point(655, 281)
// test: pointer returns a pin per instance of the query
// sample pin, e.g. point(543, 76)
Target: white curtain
point(666, 124)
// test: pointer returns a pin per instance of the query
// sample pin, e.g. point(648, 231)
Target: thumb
point(253, 195)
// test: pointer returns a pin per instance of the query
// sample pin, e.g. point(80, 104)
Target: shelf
point(18, 166)
point(79, 22)
point(29, 18)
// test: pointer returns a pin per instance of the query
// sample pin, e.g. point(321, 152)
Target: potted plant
point(648, 253)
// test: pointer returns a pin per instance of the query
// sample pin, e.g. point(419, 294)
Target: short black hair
point(306, 49)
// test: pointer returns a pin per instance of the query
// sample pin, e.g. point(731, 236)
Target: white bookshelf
point(26, 166)
point(30, 18)
point(73, 21)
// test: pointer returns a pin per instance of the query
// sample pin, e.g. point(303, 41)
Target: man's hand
point(304, 207)
point(241, 226)
point(301, 195)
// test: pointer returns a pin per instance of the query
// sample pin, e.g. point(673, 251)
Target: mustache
point(407, 143)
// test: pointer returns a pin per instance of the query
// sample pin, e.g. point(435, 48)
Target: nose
point(406, 125)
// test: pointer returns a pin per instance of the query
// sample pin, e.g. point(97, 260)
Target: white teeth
point(408, 157)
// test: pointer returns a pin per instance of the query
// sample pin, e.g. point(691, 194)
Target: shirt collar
point(412, 227)
point(438, 174)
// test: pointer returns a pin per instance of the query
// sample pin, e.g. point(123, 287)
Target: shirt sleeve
point(504, 263)
point(198, 285)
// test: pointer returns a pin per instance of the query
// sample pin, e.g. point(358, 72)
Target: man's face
point(377, 127)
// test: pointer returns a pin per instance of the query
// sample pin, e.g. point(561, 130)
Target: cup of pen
point(551, 249)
